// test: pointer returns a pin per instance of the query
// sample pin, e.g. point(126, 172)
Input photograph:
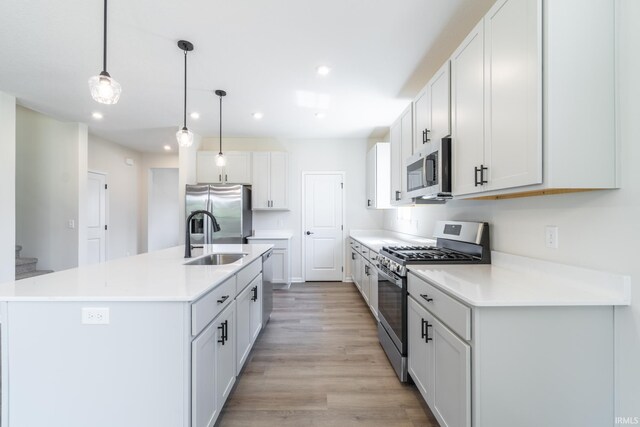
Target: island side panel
point(543, 366)
point(130, 372)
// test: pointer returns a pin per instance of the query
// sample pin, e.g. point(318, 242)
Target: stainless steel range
point(456, 243)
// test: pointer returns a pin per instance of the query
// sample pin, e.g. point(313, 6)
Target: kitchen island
point(138, 341)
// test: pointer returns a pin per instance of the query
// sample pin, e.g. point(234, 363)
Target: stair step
point(25, 265)
point(18, 249)
point(32, 274)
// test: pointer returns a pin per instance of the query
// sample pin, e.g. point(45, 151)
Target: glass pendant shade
point(221, 160)
point(184, 137)
point(104, 89)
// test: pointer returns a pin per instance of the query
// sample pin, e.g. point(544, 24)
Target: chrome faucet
point(187, 236)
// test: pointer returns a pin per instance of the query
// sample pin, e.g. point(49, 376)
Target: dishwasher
point(267, 286)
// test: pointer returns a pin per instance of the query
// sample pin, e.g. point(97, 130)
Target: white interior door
point(96, 218)
point(322, 228)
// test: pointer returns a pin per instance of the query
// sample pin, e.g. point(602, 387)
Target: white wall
point(122, 218)
point(152, 161)
point(50, 181)
point(346, 155)
point(7, 186)
point(596, 229)
point(164, 208)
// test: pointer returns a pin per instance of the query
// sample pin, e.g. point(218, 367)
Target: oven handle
point(382, 276)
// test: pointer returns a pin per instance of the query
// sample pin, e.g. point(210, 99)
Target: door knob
point(309, 232)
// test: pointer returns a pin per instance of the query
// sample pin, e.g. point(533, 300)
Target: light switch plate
point(551, 236)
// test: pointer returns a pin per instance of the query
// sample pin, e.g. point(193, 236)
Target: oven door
point(392, 308)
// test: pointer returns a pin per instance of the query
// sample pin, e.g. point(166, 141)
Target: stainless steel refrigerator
point(230, 204)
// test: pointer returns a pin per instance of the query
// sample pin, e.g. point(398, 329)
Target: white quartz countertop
point(271, 235)
point(376, 239)
point(518, 281)
point(155, 276)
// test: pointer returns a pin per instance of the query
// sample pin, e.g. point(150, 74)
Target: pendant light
point(221, 160)
point(104, 89)
point(184, 135)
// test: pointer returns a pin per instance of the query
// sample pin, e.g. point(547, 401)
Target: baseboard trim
point(297, 280)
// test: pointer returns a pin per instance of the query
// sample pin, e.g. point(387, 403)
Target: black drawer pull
point(223, 299)
point(426, 297)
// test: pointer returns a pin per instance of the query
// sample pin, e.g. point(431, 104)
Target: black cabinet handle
point(368, 202)
point(222, 338)
point(223, 299)
point(426, 332)
point(220, 177)
point(366, 270)
point(426, 297)
point(398, 193)
point(225, 177)
point(353, 256)
point(254, 298)
point(480, 170)
point(423, 330)
point(425, 136)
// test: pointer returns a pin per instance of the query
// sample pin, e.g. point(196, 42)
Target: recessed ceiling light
point(195, 115)
point(323, 70)
point(96, 115)
point(257, 115)
point(167, 148)
point(320, 115)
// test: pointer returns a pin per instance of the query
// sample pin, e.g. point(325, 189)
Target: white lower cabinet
point(281, 258)
point(506, 366)
point(364, 274)
point(226, 357)
point(373, 291)
point(249, 320)
point(213, 368)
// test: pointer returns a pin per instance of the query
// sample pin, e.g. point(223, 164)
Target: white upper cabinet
point(432, 109)
point(270, 189)
point(532, 112)
point(467, 90)
point(401, 140)
point(236, 171)
point(378, 176)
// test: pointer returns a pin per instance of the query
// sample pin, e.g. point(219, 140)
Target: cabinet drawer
point(210, 305)
point(452, 313)
point(247, 274)
point(364, 251)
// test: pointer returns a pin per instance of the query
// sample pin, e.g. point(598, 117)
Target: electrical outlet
point(551, 237)
point(95, 315)
point(71, 224)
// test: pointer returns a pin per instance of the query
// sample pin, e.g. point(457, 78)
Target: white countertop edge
point(615, 292)
point(271, 235)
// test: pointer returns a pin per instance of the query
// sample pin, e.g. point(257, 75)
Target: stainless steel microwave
point(429, 171)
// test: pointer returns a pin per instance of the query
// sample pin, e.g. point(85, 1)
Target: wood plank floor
point(319, 363)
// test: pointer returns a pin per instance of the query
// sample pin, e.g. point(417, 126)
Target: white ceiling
point(263, 53)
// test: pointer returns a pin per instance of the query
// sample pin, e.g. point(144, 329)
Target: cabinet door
point(467, 91)
point(354, 265)
point(420, 359)
point(204, 406)
point(358, 270)
point(407, 145)
point(373, 291)
point(371, 178)
point(279, 264)
point(256, 308)
point(421, 117)
point(279, 180)
point(513, 86)
point(364, 284)
point(243, 326)
point(238, 168)
point(440, 104)
point(206, 170)
point(451, 403)
point(226, 357)
point(260, 180)
point(395, 139)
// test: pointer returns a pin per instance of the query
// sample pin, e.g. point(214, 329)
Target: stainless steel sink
point(216, 259)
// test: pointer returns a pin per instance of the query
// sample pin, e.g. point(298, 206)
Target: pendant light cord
point(104, 40)
point(220, 125)
point(185, 88)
